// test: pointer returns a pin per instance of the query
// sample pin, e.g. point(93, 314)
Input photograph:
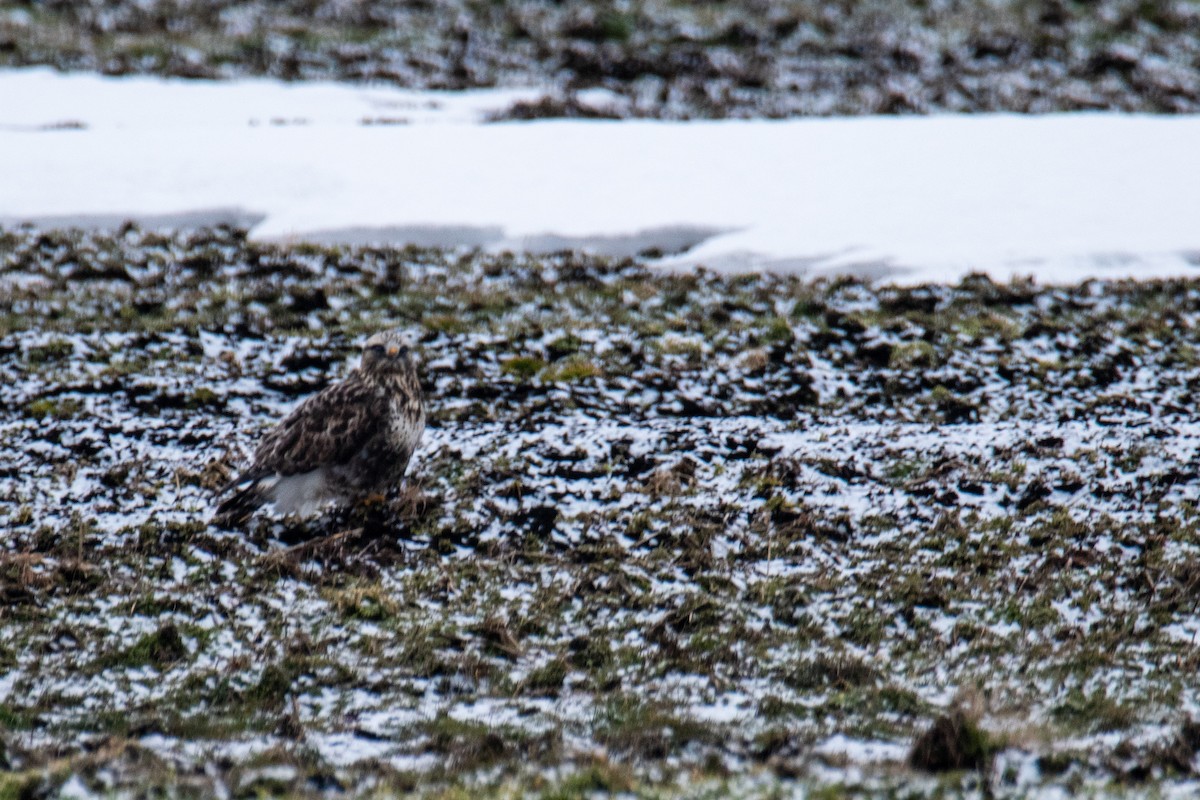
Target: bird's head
point(387, 353)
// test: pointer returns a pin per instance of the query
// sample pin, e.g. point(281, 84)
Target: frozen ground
point(668, 534)
point(1058, 197)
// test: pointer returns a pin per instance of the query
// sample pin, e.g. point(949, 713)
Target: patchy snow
point(858, 751)
point(831, 536)
point(913, 199)
point(75, 789)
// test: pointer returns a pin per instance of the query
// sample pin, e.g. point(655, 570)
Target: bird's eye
point(377, 349)
point(404, 350)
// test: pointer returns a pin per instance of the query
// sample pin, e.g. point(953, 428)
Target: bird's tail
point(239, 506)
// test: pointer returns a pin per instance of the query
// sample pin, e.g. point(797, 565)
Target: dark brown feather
point(330, 427)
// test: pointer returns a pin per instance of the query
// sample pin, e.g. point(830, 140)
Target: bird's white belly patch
point(302, 494)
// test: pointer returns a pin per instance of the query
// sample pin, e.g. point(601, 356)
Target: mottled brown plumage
point(350, 440)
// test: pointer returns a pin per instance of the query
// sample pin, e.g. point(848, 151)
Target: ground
point(658, 58)
point(670, 535)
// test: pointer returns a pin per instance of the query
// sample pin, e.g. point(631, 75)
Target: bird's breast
point(405, 426)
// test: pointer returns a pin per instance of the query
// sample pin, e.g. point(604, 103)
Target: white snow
point(858, 751)
point(75, 789)
point(1060, 197)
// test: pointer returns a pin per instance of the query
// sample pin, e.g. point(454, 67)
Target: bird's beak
point(392, 350)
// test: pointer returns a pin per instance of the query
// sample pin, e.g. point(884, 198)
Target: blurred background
point(661, 59)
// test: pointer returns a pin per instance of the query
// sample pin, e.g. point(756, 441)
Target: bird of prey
point(350, 441)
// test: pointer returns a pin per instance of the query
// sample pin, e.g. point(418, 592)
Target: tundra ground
point(668, 535)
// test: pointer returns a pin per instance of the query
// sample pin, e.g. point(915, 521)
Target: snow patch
point(915, 199)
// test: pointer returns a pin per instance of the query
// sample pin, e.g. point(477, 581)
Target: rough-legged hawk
point(349, 441)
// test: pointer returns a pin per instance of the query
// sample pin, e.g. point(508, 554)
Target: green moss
point(906, 469)
point(273, 685)
point(60, 408)
point(615, 26)
point(822, 671)
point(522, 367)
point(566, 345)
point(54, 350)
point(23, 785)
point(833, 792)
point(15, 719)
point(471, 746)
point(865, 626)
point(777, 329)
point(629, 725)
point(572, 370)
point(911, 355)
point(363, 601)
point(447, 323)
point(202, 397)
point(600, 779)
point(899, 700)
point(548, 678)
point(1032, 615)
point(1093, 712)
point(161, 649)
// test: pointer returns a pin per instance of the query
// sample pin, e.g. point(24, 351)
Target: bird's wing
point(331, 427)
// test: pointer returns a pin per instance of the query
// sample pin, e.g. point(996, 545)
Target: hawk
point(349, 441)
